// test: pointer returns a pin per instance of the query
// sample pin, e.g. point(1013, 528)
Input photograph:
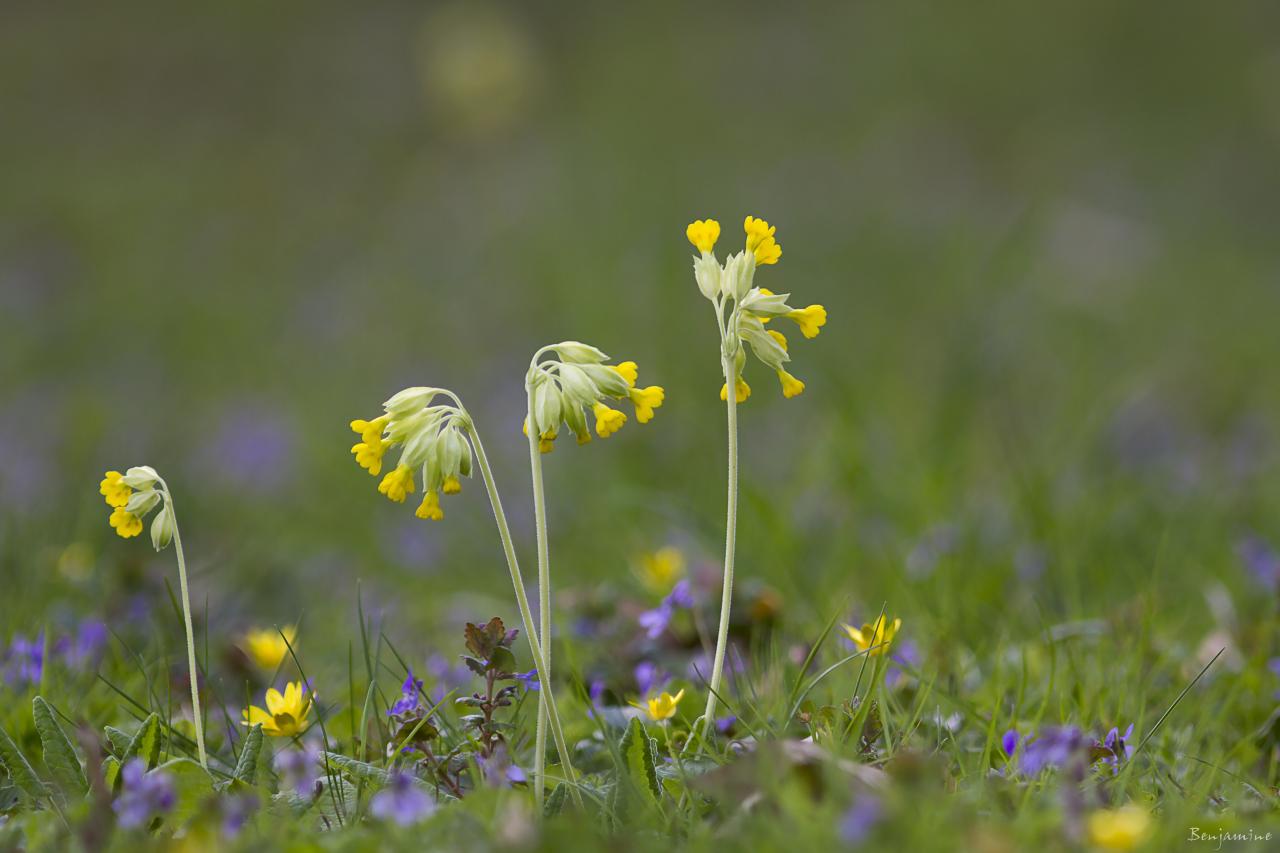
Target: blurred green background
point(1046, 235)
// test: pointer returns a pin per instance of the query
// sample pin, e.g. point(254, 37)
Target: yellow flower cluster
point(560, 388)
point(285, 715)
point(131, 496)
point(432, 438)
point(753, 307)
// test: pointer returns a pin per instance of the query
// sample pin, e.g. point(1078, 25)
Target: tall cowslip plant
point(743, 313)
point(564, 381)
point(132, 496)
point(439, 441)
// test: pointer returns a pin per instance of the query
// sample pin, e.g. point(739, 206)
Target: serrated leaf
point(20, 772)
point(359, 771)
point(145, 744)
point(638, 775)
point(117, 741)
point(247, 764)
point(59, 755)
point(555, 802)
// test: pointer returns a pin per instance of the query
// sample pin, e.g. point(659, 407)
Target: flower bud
point(162, 528)
point(707, 272)
point(574, 352)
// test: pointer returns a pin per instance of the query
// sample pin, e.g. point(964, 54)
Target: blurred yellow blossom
point(1119, 829)
point(660, 570)
point(266, 647)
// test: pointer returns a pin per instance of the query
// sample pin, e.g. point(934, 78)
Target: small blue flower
point(410, 698)
point(529, 679)
point(402, 801)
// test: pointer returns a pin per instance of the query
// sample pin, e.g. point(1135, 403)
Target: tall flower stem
point(730, 540)
point(197, 716)
point(544, 606)
point(526, 615)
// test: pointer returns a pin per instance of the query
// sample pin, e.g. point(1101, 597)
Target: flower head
point(286, 714)
point(132, 496)
point(432, 439)
point(297, 769)
point(661, 707)
point(410, 697)
point(567, 378)
point(403, 801)
point(116, 492)
point(660, 570)
point(876, 637)
point(1119, 829)
point(266, 647)
point(143, 795)
point(703, 234)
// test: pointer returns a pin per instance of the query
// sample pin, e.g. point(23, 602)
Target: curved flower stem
point(191, 639)
point(526, 615)
point(544, 609)
point(730, 542)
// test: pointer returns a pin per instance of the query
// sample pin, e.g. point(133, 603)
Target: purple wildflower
point(297, 769)
point(725, 724)
point(596, 691)
point(402, 801)
point(903, 653)
point(1052, 749)
point(647, 677)
point(84, 649)
point(656, 621)
point(529, 679)
point(858, 821)
point(24, 660)
point(1262, 563)
point(236, 811)
point(681, 595)
point(144, 794)
point(446, 675)
point(1116, 744)
point(1009, 743)
point(409, 697)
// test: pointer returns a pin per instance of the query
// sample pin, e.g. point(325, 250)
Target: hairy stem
point(197, 716)
point(730, 542)
point(544, 608)
point(526, 615)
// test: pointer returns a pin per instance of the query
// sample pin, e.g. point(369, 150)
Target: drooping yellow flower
point(744, 390)
point(126, 524)
point(369, 431)
point(546, 441)
point(809, 319)
point(369, 456)
point(661, 707)
point(660, 570)
point(1119, 829)
point(398, 484)
point(791, 387)
point(608, 421)
point(646, 400)
point(452, 485)
point(877, 637)
point(779, 337)
point(285, 716)
point(116, 493)
point(703, 234)
point(628, 371)
point(267, 648)
point(430, 507)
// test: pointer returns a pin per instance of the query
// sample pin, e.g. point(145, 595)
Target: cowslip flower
point(660, 570)
point(286, 713)
point(432, 439)
point(661, 707)
point(266, 647)
point(731, 285)
point(567, 379)
point(132, 496)
point(875, 637)
point(1119, 829)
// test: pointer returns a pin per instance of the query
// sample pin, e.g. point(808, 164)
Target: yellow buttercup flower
point(810, 319)
point(285, 716)
point(646, 400)
point(116, 492)
point(398, 484)
point(126, 524)
point(661, 707)
point(703, 234)
point(608, 421)
point(430, 507)
point(1119, 829)
point(791, 387)
point(877, 637)
point(267, 648)
point(744, 390)
point(452, 485)
point(660, 570)
point(628, 371)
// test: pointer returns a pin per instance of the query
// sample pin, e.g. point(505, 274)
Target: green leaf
point(502, 660)
point(191, 784)
point(111, 772)
point(59, 755)
point(146, 743)
point(555, 802)
point(117, 741)
point(638, 775)
point(359, 771)
point(20, 771)
point(247, 765)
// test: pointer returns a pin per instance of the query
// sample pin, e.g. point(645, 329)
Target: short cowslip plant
point(132, 496)
point(564, 381)
point(438, 441)
point(743, 313)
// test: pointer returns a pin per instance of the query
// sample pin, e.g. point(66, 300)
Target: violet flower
point(144, 794)
point(402, 801)
point(297, 769)
point(858, 821)
point(409, 700)
point(1054, 748)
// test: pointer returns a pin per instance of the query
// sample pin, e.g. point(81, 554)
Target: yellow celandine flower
point(125, 523)
point(703, 234)
point(661, 707)
point(285, 716)
point(398, 484)
point(877, 637)
point(791, 387)
point(660, 570)
point(265, 647)
point(1119, 829)
point(744, 390)
point(116, 492)
point(430, 507)
point(608, 421)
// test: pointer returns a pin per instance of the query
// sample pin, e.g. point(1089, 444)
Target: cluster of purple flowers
point(23, 661)
point(656, 621)
point(144, 795)
point(1058, 746)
